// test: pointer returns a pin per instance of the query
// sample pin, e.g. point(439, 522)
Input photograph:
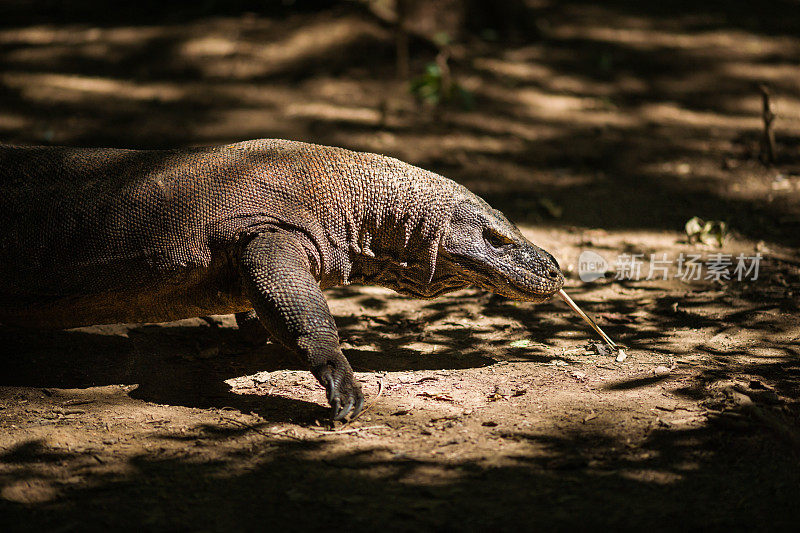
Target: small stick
point(345, 431)
point(442, 59)
point(767, 154)
point(574, 307)
point(251, 427)
point(364, 410)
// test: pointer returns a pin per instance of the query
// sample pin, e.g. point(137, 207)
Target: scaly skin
point(258, 228)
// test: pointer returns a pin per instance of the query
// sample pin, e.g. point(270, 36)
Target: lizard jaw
point(519, 284)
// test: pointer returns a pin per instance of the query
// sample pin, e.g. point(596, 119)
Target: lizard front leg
point(276, 275)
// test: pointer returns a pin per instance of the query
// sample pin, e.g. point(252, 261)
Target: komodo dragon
point(257, 228)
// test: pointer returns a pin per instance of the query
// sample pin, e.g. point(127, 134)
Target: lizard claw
point(327, 380)
point(342, 412)
point(336, 407)
point(358, 407)
point(343, 394)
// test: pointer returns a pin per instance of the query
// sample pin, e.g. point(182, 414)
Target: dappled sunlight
point(729, 43)
point(357, 115)
point(60, 88)
point(221, 55)
point(597, 127)
point(234, 460)
point(563, 109)
point(675, 115)
point(54, 35)
point(14, 121)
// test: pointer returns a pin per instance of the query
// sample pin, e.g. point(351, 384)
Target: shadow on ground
point(700, 478)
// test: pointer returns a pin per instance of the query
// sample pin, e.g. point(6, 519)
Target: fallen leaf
point(439, 397)
point(598, 348)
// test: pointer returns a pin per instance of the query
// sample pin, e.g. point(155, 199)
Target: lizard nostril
point(552, 274)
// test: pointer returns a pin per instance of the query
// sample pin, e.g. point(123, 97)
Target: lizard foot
point(252, 332)
point(344, 394)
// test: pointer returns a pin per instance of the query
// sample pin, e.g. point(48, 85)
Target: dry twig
point(351, 430)
point(767, 153)
point(364, 410)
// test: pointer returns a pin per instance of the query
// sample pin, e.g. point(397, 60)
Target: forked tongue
point(613, 345)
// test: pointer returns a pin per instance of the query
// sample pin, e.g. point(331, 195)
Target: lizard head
point(487, 250)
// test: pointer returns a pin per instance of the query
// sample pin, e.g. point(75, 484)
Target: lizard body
point(258, 228)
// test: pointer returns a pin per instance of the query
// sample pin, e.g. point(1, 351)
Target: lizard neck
point(366, 218)
point(398, 223)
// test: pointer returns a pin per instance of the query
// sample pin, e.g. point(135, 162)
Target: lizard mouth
point(525, 293)
point(536, 288)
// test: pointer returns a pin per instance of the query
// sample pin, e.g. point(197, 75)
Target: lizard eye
point(497, 240)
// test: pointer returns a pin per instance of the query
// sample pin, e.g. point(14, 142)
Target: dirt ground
point(606, 132)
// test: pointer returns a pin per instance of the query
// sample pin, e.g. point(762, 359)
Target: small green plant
point(436, 87)
point(711, 232)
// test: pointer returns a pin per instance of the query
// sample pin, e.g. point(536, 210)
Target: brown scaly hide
point(103, 235)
